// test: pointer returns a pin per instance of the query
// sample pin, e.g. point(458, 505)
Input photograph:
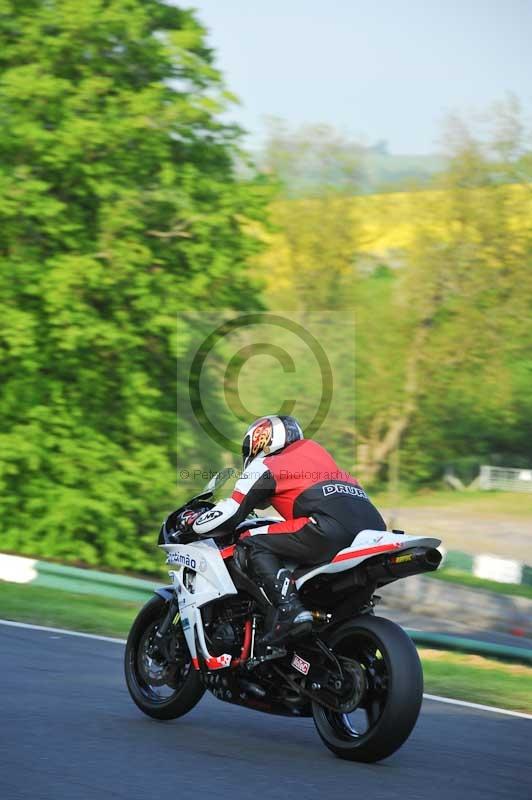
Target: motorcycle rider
point(323, 507)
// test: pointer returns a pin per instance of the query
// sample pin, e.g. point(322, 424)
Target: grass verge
point(80, 612)
point(509, 504)
point(466, 579)
point(477, 679)
point(457, 675)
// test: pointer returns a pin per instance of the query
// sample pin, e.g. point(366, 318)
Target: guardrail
point(460, 644)
point(17, 569)
point(486, 565)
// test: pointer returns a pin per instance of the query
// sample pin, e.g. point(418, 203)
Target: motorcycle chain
point(342, 708)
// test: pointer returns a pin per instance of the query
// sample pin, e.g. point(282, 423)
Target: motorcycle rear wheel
point(163, 689)
point(392, 697)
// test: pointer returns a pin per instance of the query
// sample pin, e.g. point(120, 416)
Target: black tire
point(391, 705)
point(185, 687)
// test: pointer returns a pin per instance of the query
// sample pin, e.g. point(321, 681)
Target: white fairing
point(208, 581)
point(368, 544)
point(208, 578)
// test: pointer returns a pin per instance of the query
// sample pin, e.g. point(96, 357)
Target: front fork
point(159, 646)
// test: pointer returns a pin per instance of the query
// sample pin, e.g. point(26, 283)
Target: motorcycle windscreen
point(215, 483)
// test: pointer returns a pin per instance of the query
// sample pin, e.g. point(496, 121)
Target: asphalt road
point(69, 730)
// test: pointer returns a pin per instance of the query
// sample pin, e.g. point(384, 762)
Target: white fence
point(511, 480)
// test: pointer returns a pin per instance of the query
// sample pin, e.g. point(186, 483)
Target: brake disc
point(357, 689)
point(154, 671)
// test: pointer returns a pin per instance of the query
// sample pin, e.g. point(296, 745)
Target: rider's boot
point(288, 617)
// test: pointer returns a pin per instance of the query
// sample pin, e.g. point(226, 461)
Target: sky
point(383, 70)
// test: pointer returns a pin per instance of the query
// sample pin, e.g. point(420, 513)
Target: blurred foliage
point(125, 209)
point(441, 285)
point(119, 207)
point(309, 157)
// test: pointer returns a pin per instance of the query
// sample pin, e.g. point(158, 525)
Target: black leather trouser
point(267, 553)
point(315, 543)
point(309, 545)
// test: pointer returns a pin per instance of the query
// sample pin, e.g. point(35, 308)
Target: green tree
point(466, 290)
point(119, 207)
point(444, 336)
point(311, 159)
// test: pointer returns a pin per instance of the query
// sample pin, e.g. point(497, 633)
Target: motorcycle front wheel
point(161, 681)
point(392, 695)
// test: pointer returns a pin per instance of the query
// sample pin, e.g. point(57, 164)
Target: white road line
point(480, 707)
point(435, 697)
point(61, 630)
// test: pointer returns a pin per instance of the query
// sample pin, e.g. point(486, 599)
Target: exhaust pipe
point(405, 563)
point(385, 569)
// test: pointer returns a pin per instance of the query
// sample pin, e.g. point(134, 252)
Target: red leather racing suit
point(323, 506)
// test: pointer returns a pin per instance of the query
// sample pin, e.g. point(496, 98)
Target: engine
point(225, 639)
point(225, 629)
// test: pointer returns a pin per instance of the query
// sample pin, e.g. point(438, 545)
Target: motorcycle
point(357, 674)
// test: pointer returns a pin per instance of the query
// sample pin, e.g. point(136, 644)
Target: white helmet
point(269, 435)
